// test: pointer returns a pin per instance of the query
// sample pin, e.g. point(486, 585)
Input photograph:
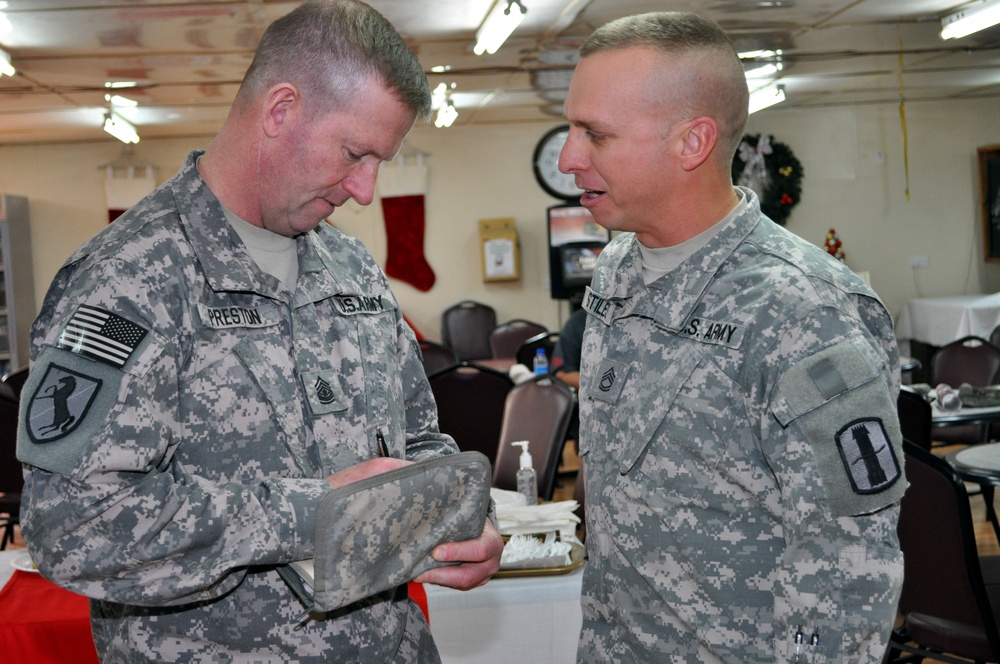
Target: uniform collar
point(225, 262)
point(676, 294)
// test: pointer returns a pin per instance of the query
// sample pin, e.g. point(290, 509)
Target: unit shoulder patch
point(60, 403)
point(867, 455)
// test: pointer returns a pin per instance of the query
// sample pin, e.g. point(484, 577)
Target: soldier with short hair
point(738, 421)
point(208, 368)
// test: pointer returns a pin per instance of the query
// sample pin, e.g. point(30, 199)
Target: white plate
point(23, 563)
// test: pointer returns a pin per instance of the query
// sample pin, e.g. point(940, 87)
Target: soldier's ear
point(698, 138)
point(280, 103)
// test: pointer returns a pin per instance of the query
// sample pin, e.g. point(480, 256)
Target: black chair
point(995, 336)
point(11, 477)
point(525, 353)
point(15, 378)
point(506, 337)
point(436, 356)
point(470, 401)
point(915, 415)
point(538, 411)
point(971, 360)
point(466, 327)
point(950, 595)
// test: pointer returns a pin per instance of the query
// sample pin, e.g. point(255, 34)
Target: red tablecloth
point(41, 623)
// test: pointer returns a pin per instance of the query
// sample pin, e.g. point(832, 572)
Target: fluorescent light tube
point(765, 97)
point(500, 22)
point(118, 100)
point(5, 67)
point(446, 115)
point(971, 18)
point(120, 128)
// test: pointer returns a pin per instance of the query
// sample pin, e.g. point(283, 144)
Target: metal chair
point(15, 378)
point(915, 415)
point(436, 356)
point(526, 350)
point(470, 401)
point(466, 327)
point(506, 337)
point(538, 411)
point(995, 336)
point(11, 477)
point(950, 595)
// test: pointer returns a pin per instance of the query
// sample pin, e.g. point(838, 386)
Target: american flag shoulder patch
point(101, 335)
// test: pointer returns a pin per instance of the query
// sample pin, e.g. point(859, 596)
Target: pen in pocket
point(383, 450)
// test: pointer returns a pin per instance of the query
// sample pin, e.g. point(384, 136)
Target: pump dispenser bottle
point(527, 479)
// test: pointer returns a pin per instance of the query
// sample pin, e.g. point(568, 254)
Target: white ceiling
point(189, 57)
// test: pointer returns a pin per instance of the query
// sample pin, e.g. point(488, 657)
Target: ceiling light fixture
point(118, 100)
point(446, 114)
point(6, 68)
point(441, 100)
point(120, 128)
point(499, 23)
point(762, 64)
point(972, 17)
point(766, 96)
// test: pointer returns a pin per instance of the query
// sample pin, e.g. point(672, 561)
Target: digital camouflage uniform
point(178, 453)
point(742, 456)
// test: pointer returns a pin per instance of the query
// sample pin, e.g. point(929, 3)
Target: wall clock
point(546, 165)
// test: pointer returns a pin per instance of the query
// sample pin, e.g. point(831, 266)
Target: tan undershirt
point(661, 260)
point(274, 254)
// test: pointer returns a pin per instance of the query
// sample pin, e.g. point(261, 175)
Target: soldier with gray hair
point(738, 421)
point(218, 360)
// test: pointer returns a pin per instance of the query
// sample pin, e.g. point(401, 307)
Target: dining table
point(937, 321)
point(980, 464)
point(964, 415)
point(40, 623)
point(518, 618)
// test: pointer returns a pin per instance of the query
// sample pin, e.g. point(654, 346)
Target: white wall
point(485, 172)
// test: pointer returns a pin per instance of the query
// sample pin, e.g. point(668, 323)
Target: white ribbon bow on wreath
point(755, 174)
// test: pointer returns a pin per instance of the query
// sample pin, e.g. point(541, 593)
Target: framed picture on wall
point(989, 195)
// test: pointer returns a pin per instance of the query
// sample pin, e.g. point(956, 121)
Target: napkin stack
point(541, 519)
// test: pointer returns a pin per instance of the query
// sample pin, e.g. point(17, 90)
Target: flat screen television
point(575, 242)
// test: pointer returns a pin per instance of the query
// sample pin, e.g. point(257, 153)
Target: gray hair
point(718, 86)
point(329, 48)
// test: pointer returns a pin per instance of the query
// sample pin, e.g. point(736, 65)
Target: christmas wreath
point(771, 170)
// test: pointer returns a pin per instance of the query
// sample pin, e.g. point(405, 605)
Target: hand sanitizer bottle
point(527, 479)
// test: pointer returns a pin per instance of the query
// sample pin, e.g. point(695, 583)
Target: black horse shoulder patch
point(60, 403)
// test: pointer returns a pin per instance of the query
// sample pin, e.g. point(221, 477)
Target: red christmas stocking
point(403, 187)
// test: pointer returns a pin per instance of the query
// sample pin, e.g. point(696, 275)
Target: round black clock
point(546, 165)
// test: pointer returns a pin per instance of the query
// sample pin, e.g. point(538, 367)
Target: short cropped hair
point(721, 91)
point(329, 48)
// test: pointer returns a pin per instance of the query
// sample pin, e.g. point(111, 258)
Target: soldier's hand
point(367, 468)
point(479, 560)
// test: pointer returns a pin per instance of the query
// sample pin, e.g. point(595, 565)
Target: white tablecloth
point(523, 620)
point(941, 320)
point(6, 570)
